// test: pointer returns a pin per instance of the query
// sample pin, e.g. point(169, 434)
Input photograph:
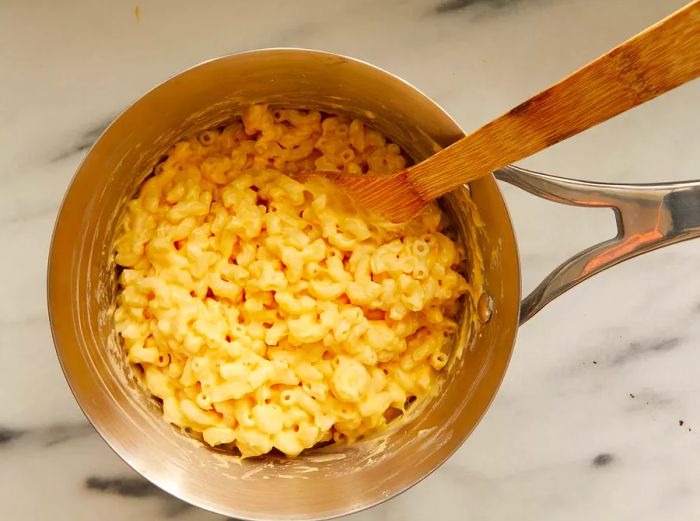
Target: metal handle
point(649, 216)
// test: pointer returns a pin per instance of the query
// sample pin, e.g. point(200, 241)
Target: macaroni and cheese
point(269, 313)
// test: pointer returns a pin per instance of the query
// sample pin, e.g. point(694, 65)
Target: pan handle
point(649, 216)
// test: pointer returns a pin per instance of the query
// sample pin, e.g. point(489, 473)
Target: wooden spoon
point(657, 60)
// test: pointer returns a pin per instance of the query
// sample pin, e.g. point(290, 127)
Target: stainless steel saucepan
point(332, 481)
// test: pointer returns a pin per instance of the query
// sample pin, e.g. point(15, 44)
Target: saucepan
point(334, 480)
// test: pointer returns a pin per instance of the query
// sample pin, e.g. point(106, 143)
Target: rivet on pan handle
point(649, 216)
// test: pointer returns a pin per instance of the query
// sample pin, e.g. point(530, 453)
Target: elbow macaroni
point(270, 313)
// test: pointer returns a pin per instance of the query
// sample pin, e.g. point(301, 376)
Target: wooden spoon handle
point(658, 59)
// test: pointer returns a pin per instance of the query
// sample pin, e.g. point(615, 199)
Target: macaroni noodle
point(266, 312)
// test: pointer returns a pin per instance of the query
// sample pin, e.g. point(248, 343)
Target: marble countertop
point(599, 414)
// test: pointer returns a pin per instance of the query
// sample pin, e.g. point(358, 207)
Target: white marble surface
point(564, 439)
